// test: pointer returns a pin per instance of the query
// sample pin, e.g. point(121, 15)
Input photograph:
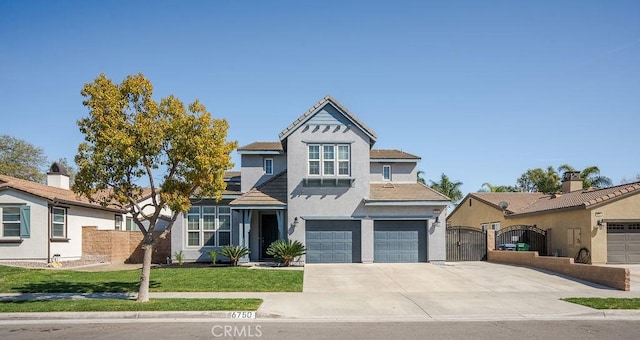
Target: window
point(386, 172)
point(209, 226)
point(268, 166)
point(314, 159)
point(484, 226)
point(326, 162)
point(118, 222)
point(10, 221)
point(495, 226)
point(131, 226)
point(58, 222)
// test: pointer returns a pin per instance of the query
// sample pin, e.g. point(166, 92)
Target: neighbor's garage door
point(400, 241)
point(623, 242)
point(332, 241)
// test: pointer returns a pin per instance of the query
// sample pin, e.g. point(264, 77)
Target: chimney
point(57, 176)
point(571, 181)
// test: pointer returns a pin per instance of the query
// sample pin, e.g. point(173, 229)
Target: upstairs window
point(329, 160)
point(386, 172)
point(268, 166)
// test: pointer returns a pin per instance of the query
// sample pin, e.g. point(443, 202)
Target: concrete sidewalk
point(392, 306)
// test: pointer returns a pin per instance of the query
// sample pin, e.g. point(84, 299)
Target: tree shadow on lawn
point(84, 287)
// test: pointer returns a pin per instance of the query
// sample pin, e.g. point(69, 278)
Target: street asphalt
point(462, 291)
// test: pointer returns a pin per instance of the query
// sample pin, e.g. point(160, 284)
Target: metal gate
point(535, 237)
point(466, 244)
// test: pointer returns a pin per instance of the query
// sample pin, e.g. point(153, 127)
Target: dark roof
point(391, 154)
point(309, 113)
point(404, 192)
point(262, 146)
point(50, 193)
point(272, 192)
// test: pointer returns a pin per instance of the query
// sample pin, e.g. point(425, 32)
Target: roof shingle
point(271, 192)
point(391, 154)
point(404, 192)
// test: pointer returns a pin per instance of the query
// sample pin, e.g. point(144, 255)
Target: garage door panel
point(623, 242)
point(333, 241)
point(400, 241)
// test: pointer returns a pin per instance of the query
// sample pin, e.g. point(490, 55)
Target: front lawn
point(120, 305)
point(607, 303)
point(225, 279)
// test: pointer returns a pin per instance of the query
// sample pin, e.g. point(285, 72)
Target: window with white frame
point(329, 160)
point(58, 222)
point(209, 226)
point(495, 226)
point(118, 222)
point(484, 226)
point(10, 219)
point(268, 166)
point(386, 172)
point(131, 226)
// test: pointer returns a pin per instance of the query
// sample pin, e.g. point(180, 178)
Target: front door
point(268, 233)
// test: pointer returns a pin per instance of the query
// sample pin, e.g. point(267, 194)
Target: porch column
point(246, 218)
point(280, 217)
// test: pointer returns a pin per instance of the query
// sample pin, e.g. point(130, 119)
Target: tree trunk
point(143, 292)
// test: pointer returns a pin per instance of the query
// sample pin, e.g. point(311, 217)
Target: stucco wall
point(252, 167)
point(325, 201)
point(405, 172)
point(475, 214)
point(34, 247)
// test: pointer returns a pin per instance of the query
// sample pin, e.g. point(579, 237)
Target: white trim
point(264, 166)
point(390, 176)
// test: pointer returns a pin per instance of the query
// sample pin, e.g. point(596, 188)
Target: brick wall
point(118, 246)
point(608, 276)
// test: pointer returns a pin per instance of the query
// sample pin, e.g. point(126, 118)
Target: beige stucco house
point(605, 221)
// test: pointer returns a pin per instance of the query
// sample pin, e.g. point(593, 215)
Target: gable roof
point(328, 100)
point(49, 193)
point(272, 192)
point(580, 199)
point(517, 200)
point(391, 154)
point(406, 192)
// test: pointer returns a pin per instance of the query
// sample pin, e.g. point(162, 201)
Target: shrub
point(179, 257)
point(234, 253)
point(213, 254)
point(286, 251)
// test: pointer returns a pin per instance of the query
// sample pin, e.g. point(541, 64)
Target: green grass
point(224, 279)
point(114, 305)
point(607, 303)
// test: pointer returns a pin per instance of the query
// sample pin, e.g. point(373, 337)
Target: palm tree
point(590, 175)
point(488, 187)
point(421, 177)
point(448, 188)
point(538, 180)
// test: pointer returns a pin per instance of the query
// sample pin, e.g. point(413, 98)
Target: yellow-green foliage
point(129, 137)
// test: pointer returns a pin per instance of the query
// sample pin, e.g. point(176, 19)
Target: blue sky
point(481, 90)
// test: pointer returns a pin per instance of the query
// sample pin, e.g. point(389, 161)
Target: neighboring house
point(323, 185)
point(605, 221)
point(44, 222)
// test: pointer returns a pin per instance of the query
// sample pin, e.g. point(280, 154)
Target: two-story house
point(324, 185)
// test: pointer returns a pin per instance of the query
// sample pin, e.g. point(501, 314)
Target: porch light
point(295, 222)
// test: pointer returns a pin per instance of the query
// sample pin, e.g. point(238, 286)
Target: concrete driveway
point(425, 277)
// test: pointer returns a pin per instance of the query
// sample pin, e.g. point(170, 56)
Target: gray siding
point(253, 172)
point(400, 172)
